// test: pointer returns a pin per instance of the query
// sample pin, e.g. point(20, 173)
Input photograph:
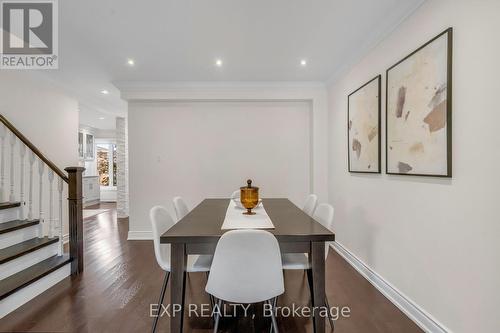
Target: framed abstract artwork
point(363, 128)
point(418, 111)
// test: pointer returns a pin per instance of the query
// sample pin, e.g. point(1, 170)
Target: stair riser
point(27, 260)
point(18, 236)
point(10, 214)
point(29, 292)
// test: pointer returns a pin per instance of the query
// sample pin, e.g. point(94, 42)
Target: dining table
point(199, 231)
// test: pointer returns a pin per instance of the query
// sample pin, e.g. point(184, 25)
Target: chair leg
point(310, 281)
point(271, 329)
point(212, 301)
point(330, 319)
point(217, 316)
point(273, 317)
point(160, 301)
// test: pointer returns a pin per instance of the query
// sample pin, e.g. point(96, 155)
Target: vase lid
point(249, 186)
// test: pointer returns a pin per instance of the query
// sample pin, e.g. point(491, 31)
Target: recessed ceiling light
point(303, 62)
point(101, 118)
point(131, 62)
point(104, 92)
point(218, 63)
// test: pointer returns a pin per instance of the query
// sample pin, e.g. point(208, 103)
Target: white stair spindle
point(51, 203)
point(41, 168)
point(30, 193)
point(13, 138)
point(22, 154)
point(60, 228)
point(3, 132)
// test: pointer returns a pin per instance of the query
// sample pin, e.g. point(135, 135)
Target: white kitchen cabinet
point(91, 190)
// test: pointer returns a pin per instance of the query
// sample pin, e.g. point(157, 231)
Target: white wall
point(43, 113)
point(209, 149)
point(436, 240)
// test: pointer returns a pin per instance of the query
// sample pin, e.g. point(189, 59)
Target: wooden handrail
point(34, 149)
point(75, 197)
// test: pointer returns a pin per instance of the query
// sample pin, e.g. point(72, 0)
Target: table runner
point(235, 219)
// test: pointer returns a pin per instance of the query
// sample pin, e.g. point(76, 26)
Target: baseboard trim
point(424, 320)
point(140, 235)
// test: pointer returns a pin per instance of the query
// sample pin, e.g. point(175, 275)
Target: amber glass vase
point(249, 196)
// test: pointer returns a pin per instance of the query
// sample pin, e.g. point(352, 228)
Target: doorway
point(106, 168)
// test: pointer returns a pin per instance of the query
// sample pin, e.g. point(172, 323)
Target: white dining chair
point(236, 194)
point(310, 205)
point(161, 221)
point(246, 269)
point(300, 261)
point(181, 208)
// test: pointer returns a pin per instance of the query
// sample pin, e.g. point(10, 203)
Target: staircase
point(35, 222)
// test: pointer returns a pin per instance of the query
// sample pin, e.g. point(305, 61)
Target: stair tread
point(7, 205)
point(16, 225)
point(13, 283)
point(15, 251)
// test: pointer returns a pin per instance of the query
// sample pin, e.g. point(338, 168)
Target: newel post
point(75, 218)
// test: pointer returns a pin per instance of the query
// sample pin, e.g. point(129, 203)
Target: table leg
point(318, 277)
point(177, 285)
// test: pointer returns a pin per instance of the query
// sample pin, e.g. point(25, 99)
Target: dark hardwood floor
point(121, 280)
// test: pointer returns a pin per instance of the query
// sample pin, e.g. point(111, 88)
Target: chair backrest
point(161, 221)
point(324, 215)
point(181, 208)
point(246, 267)
point(236, 194)
point(310, 205)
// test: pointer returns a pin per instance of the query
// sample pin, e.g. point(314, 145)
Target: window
point(106, 163)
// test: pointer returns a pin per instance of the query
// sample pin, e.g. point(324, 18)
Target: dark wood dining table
point(199, 231)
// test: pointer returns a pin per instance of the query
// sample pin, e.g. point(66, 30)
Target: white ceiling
point(179, 40)
point(91, 117)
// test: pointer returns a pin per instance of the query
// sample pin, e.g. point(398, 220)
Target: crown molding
point(221, 91)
